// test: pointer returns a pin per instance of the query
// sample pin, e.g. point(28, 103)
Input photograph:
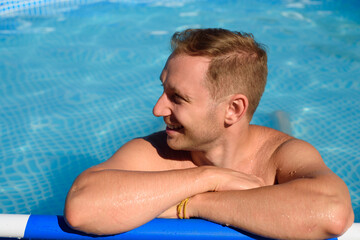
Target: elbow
point(75, 212)
point(340, 218)
point(78, 212)
point(72, 219)
point(87, 210)
point(80, 215)
point(80, 218)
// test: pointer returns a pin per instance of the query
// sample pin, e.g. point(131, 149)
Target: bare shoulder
point(296, 158)
point(269, 140)
point(150, 153)
point(289, 157)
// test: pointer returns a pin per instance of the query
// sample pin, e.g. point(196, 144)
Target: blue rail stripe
point(54, 227)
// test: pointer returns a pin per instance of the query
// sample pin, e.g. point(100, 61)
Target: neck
point(230, 151)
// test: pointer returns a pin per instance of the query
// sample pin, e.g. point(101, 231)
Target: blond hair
point(238, 63)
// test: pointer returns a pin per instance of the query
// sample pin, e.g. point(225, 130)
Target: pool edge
point(13, 225)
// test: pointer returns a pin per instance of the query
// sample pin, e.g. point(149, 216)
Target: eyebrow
point(176, 91)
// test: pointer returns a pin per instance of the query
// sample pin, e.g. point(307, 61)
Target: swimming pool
point(79, 78)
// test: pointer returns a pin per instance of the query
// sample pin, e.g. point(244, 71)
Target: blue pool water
point(79, 78)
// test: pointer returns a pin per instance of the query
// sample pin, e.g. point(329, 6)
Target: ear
point(236, 109)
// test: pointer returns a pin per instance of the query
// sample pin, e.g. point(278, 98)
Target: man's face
point(194, 121)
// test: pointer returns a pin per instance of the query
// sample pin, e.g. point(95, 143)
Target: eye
point(176, 98)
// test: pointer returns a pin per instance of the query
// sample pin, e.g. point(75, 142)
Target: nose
point(162, 107)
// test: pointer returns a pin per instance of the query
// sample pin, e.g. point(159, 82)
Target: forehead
point(184, 70)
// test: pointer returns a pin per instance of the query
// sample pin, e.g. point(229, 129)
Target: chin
point(180, 146)
point(175, 145)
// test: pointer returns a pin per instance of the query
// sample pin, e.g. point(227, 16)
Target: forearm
point(295, 210)
point(113, 201)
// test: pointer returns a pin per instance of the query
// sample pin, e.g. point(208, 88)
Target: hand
point(224, 179)
point(221, 179)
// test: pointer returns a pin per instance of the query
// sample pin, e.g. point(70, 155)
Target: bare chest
point(261, 161)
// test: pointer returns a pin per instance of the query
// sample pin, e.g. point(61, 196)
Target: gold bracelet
point(184, 209)
point(181, 209)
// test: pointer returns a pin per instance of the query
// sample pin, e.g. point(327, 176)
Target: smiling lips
point(173, 127)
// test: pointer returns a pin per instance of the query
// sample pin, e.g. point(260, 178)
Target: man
point(210, 162)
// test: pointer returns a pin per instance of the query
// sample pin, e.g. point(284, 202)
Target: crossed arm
point(309, 202)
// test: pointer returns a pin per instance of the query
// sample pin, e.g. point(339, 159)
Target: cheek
point(186, 114)
point(215, 118)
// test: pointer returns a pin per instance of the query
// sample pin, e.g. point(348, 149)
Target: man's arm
point(126, 192)
point(310, 201)
point(129, 189)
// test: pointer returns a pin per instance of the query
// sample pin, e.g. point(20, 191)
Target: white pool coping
point(353, 233)
point(13, 225)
